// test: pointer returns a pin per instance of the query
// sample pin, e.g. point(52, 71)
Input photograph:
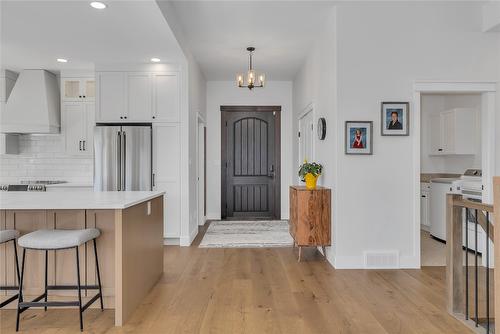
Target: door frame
point(201, 169)
point(306, 111)
point(487, 90)
point(277, 153)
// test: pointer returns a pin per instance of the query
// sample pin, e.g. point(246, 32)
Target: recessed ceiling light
point(62, 60)
point(155, 60)
point(98, 5)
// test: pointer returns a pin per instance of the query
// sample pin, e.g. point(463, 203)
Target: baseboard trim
point(171, 241)
point(186, 241)
point(213, 216)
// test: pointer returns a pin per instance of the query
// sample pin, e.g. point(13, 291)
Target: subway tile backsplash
point(43, 157)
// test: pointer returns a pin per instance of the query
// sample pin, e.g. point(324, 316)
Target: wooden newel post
point(496, 245)
point(455, 275)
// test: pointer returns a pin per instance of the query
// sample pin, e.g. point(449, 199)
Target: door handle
point(153, 179)
point(119, 161)
point(84, 145)
point(79, 145)
point(271, 172)
point(124, 159)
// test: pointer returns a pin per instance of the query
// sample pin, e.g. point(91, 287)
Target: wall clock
point(321, 128)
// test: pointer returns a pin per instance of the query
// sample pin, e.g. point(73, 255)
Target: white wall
point(194, 102)
point(382, 48)
point(381, 63)
point(432, 104)
point(221, 93)
point(43, 157)
point(315, 84)
point(197, 105)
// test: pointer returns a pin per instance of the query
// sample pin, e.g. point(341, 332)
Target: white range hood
point(33, 105)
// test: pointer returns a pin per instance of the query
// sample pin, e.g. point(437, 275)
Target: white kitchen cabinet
point(424, 206)
point(166, 96)
point(77, 89)
point(78, 127)
point(111, 95)
point(166, 174)
point(139, 97)
point(453, 132)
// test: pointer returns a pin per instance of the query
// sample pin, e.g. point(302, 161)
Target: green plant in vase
point(309, 173)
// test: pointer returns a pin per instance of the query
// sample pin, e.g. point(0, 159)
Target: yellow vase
point(311, 181)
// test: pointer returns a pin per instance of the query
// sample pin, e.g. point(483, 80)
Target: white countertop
point(70, 185)
point(25, 200)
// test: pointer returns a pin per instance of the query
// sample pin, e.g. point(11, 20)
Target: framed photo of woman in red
point(359, 137)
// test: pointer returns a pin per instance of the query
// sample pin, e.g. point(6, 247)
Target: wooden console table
point(310, 217)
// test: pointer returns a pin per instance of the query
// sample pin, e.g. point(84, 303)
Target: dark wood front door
point(250, 162)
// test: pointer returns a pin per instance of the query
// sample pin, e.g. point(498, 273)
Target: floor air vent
point(382, 260)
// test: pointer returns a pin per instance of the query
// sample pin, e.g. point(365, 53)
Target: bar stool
point(6, 236)
point(46, 240)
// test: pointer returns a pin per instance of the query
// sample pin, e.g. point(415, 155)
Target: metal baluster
point(475, 270)
point(466, 263)
point(487, 273)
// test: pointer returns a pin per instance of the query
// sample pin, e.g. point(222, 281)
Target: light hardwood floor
point(267, 291)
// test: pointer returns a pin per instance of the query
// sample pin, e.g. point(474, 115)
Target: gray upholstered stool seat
point(7, 235)
point(57, 239)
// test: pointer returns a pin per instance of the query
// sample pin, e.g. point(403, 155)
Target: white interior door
point(306, 139)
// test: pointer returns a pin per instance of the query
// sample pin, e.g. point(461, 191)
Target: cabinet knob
point(80, 96)
point(83, 96)
point(154, 117)
point(121, 117)
point(440, 150)
point(125, 117)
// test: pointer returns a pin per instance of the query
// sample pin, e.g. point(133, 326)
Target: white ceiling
point(218, 32)
point(35, 33)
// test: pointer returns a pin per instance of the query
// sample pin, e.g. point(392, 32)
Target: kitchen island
point(130, 246)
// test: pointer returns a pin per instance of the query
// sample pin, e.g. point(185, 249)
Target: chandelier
point(251, 80)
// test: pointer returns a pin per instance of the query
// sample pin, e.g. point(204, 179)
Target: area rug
point(247, 234)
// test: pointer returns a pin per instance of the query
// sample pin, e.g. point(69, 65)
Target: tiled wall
point(43, 157)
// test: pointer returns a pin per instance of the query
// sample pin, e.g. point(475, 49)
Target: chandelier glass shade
point(252, 79)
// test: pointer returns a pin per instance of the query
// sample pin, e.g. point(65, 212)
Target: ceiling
point(35, 33)
point(218, 32)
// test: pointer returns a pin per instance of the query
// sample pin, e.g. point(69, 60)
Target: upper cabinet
point(77, 89)
point(111, 97)
point(137, 97)
point(454, 132)
point(78, 113)
point(166, 97)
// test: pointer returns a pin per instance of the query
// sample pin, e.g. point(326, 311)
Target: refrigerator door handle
point(119, 159)
point(124, 161)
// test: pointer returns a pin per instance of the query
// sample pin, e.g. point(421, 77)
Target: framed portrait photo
point(395, 119)
point(359, 137)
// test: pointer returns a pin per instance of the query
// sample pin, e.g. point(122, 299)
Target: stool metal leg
point(80, 311)
point(98, 274)
point(20, 290)
point(15, 287)
point(46, 267)
point(17, 261)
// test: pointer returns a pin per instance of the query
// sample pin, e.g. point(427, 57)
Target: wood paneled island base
point(130, 250)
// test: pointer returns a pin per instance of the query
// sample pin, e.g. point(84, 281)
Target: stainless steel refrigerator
point(122, 157)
